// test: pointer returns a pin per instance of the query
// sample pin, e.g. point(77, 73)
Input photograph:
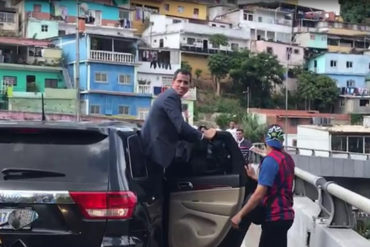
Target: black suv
point(83, 184)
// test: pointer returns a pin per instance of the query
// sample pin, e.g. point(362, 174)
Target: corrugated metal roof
point(299, 114)
point(340, 128)
point(23, 42)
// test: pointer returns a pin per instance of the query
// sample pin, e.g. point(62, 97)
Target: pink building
point(285, 52)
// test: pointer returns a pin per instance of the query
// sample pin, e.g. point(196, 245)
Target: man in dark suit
point(162, 131)
point(165, 125)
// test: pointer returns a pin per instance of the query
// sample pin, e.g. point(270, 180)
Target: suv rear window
point(83, 156)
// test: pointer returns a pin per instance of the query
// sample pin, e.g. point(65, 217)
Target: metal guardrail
point(330, 153)
point(336, 202)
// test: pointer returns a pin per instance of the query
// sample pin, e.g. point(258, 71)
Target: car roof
point(70, 125)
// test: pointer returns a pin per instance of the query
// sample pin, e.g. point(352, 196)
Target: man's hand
point(250, 172)
point(235, 221)
point(209, 134)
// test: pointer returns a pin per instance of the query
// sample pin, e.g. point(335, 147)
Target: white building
point(156, 69)
point(176, 33)
point(339, 138)
point(263, 23)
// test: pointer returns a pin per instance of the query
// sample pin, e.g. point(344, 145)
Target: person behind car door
point(165, 125)
point(274, 190)
point(161, 133)
point(243, 144)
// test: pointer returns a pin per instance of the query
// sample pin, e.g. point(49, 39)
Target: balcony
point(207, 30)
point(143, 89)
point(112, 57)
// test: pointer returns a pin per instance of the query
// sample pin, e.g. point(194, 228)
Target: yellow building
point(197, 62)
point(144, 8)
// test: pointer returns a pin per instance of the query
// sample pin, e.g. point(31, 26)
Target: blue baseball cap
point(275, 136)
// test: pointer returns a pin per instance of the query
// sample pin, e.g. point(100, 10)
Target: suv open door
point(207, 184)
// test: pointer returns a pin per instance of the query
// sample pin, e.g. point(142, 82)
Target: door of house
point(31, 83)
point(205, 45)
point(98, 17)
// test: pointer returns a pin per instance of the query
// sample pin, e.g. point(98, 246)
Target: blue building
point(348, 70)
point(351, 73)
point(107, 74)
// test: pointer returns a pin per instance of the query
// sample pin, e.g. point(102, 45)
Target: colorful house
point(350, 72)
point(193, 40)
point(29, 68)
point(47, 19)
point(8, 19)
point(192, 10)
point(107, 74)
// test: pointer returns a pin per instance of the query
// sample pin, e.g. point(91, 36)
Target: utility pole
point(77, 64)
point(290, 53)
point(246, 92)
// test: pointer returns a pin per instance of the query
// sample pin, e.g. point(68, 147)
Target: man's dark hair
point(182, 71)
point(241, 130)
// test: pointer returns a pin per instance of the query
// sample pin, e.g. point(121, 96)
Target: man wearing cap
point(274, 192)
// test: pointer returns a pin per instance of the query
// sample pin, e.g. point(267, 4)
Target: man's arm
point(172, 108)
point(253, 201)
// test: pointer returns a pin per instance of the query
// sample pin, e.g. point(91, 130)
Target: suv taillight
point(105, 205)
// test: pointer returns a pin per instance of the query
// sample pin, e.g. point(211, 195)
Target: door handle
point(185, 185)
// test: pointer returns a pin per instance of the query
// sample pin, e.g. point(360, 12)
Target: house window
point(94, 109)
point(35, 52)
point(339, 143)
point(214, 25)
point(44, 28)
point(123, 14)
point(180, 9)
point(333, 63)
point(166, 7)
point(315, 63)
point(7, 17)
point(296, 51)
point(234, 46)
point(364, 102)
point(10, 81)
point(250, 17)
point(101, 77)
point(196, 12)
point(143, 113)
point(161, 43)
point(176, 21)
point(37, 8)
point(351, 83)
point(123, 109)
point(269, 50)
point(260, 19)
point(166, 80)
point(355, 144)
point(51, 83)
point(349, 64)
point(190, 41)
point(124, 79)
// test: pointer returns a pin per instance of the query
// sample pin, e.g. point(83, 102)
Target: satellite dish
point(84, 8)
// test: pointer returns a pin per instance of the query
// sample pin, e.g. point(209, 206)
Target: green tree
point(319, 91)
point(328, 93)
point(198, 73)
point(253, 130)
point(307, 88)
point(258, 72)
point(219, 39)
point(185, 65)
point(219, 66)
point(354, 11)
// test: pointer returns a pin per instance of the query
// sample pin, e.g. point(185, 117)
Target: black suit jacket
point(164, 127)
